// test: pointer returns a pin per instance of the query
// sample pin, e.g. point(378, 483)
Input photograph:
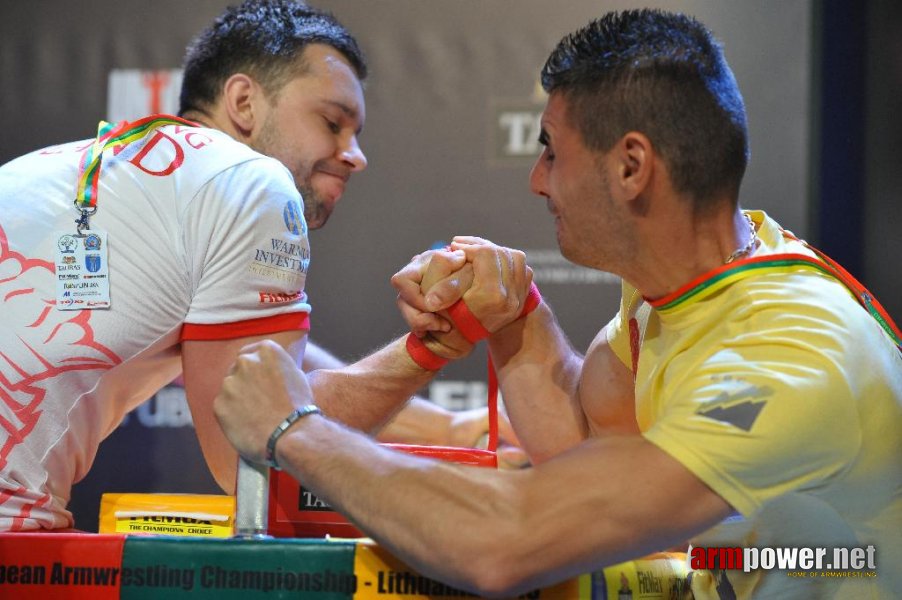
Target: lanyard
point(719, 278)
point(861, 293)
point(111, 136)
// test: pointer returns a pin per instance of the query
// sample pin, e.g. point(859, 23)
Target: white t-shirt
point(206, 240)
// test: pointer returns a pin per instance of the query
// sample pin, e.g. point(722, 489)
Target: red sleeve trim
point(261, 326)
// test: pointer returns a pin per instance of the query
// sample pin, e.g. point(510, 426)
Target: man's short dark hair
point(664, 75)
point(262, 38)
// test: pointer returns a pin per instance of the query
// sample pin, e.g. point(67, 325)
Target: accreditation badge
point(82, 270)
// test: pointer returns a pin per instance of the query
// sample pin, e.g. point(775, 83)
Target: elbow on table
point(498, 578)
point(499, 568)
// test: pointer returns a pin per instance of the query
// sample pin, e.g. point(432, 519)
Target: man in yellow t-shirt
point(740, 376)
point(777, 390)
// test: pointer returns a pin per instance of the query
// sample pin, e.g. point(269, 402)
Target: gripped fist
point(419, 308)
point(451, 344)
point(262, 388)
point(422, 311)
point(501, 280)
point(492, 280)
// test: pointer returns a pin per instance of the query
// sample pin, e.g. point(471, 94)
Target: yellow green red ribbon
point(712, 282)
point(112, 136)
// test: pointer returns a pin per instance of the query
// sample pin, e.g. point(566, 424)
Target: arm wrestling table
point(111, 566)
point(254, 565)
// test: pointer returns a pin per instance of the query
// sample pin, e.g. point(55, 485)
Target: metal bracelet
point(297, 414)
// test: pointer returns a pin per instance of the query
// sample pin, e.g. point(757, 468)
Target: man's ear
point(241, 95)
point(635, 167)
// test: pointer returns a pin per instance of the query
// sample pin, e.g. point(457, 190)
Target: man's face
point(574, 181)
point(311, 126)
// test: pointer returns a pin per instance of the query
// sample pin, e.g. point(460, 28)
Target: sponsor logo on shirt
point(294, 218)
point(738, 404)
point(282, 260)
point(278, 297)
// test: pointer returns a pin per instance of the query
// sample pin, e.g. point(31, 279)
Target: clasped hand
point(493, 281)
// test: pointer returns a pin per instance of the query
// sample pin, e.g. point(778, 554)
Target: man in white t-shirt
point(191, 243)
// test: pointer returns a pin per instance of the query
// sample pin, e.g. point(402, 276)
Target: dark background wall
point(451, 103)
point(881, 204)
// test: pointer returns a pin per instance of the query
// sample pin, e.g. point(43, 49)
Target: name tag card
point(82, 271)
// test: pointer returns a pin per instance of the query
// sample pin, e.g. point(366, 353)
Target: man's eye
point(333, 127)
point(549, 155)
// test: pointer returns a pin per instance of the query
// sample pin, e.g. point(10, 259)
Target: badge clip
point(81, 223)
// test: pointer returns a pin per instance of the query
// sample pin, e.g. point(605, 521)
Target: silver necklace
point(749, 247)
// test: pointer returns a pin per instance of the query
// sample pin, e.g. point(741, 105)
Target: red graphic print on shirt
point(37, 343)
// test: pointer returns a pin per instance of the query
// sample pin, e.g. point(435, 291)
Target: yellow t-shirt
point(784, 395)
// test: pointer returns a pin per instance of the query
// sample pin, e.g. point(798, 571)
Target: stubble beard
point(604, 246)
point(315, 212)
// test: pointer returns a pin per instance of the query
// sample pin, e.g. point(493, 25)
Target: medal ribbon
point(113, 136)
point(724, 276)
point(861, 293)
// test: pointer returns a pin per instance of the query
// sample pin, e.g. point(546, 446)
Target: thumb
point(446, 291)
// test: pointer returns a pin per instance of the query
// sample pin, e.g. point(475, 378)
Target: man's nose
point(537, 176)
point(353, 155)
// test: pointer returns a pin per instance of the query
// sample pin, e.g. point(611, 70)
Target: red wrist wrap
point(468, 326)
point(532, 302)
point(422, 355)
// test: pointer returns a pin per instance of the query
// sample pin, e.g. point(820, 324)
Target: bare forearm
point(418, 509)
point(317, 357)
point(538, 372)
point(421, 422)
point(457, 523)
point(368, 393)
point(504, 533)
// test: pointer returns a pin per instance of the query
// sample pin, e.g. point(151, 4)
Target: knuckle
point(494, 300)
